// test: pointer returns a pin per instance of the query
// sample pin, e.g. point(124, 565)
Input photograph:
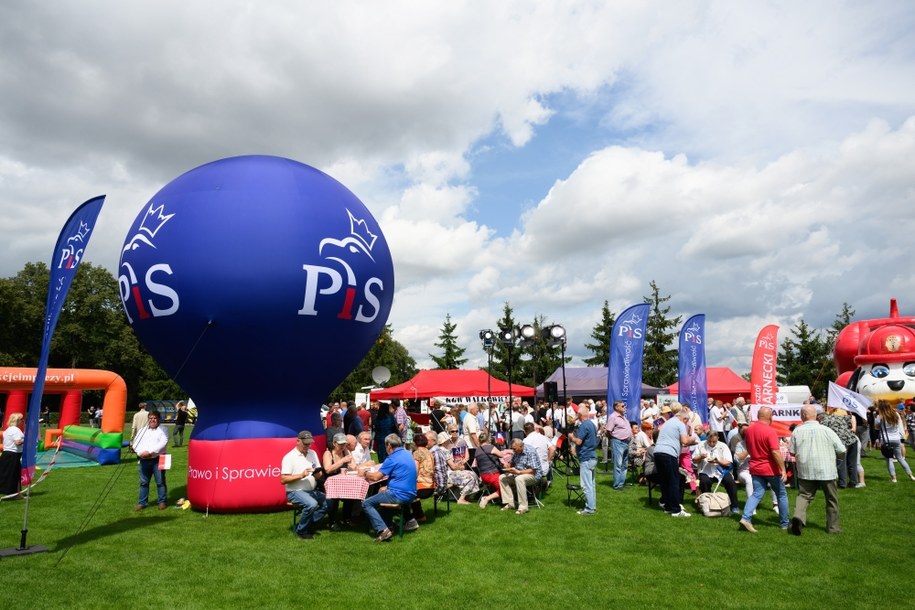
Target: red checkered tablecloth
point(346, 487)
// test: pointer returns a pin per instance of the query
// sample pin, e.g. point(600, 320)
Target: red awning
point(721, 381)
point(451, 382)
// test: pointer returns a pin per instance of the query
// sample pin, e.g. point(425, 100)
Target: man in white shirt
point(717, 417)
point(472, 430)
point(299, 469)
point(149, 444)
point(542, 445)
point(362, 449)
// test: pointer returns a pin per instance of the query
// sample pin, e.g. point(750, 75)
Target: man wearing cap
point(299, 469)
point(400, 469)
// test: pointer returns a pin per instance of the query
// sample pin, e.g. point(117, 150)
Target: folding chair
point(442, 494)
point(575, 493)
point(534, 493)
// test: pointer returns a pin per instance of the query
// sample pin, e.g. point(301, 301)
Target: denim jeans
point(902, 462)
point(369, 507)
point(760, 483)
point(587, 483)
point(620, 462)
point(313, 504)
point(847, 467)
point(149, 469)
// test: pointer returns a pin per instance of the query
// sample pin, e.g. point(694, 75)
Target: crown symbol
point(633, 319)
point(359, 229)
point(154, 220)
point(82, 231)
point(694, 328)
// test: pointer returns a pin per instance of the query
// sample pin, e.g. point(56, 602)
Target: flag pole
point(68, 252)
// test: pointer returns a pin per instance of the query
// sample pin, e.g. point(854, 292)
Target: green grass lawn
point(102, 554)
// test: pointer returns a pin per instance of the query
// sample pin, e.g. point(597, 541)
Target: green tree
point(601, 335)
point(451, 356)
point(387, 352)
point(22, 301)
point(843, 319)
point(659, 364)
point(92, 331)
point(804, 358)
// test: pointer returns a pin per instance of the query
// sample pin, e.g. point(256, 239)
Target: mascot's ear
point(853, 380)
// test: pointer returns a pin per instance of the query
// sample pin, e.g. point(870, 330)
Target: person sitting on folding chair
point(490, 465)
point(400, 469)
point(459, 475)
point(524, 472)
point(715, 464)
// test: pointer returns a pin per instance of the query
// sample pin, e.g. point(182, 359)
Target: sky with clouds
point(757, 160)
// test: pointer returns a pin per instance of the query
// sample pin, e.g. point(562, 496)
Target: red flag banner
point(762, 373)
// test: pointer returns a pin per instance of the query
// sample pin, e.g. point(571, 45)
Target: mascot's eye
point(880, 371)
point(909, 369)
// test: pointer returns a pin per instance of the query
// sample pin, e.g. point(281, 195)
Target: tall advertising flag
point(693, 382)
point(71, 244)
point(624, 370)
point(762, 373)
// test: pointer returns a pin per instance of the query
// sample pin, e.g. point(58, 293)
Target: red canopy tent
point(451, 382)
point(723, 384)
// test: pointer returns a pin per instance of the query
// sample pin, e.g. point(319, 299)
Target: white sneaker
point(682, 513)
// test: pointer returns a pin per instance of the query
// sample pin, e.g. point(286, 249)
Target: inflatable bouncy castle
point(102, 445)
point(876, 358)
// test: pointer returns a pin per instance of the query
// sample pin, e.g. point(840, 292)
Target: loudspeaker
point(551, 391)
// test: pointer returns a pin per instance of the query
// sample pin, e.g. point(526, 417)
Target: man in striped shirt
point(816, 448)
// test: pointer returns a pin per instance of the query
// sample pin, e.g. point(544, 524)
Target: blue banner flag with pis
point(68, 253)
point(693, 381)
point(624, 370)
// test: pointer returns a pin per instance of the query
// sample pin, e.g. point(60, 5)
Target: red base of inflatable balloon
point(238, 476)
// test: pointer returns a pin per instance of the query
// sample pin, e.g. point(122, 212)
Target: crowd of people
point(489, 453)
point(486, 453)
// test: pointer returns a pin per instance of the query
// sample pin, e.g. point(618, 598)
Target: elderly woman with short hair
point(11, 459)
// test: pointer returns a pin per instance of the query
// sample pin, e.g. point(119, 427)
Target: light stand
point(553, 336)
point(527, 335)
point(508, 336)
point(488, 338)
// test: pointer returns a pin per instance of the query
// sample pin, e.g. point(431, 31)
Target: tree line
point(93, 333)
point(805, 355)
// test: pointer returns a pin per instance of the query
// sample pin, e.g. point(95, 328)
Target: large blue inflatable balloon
point(258, 283)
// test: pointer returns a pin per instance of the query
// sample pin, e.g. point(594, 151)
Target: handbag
point(887, 449)
point(714, 504)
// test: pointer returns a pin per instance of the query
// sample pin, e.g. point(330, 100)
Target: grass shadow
point(109, 529)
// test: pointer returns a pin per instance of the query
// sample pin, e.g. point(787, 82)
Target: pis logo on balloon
point(257, 283)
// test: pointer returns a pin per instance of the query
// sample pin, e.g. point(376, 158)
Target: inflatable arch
point(102, 445)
